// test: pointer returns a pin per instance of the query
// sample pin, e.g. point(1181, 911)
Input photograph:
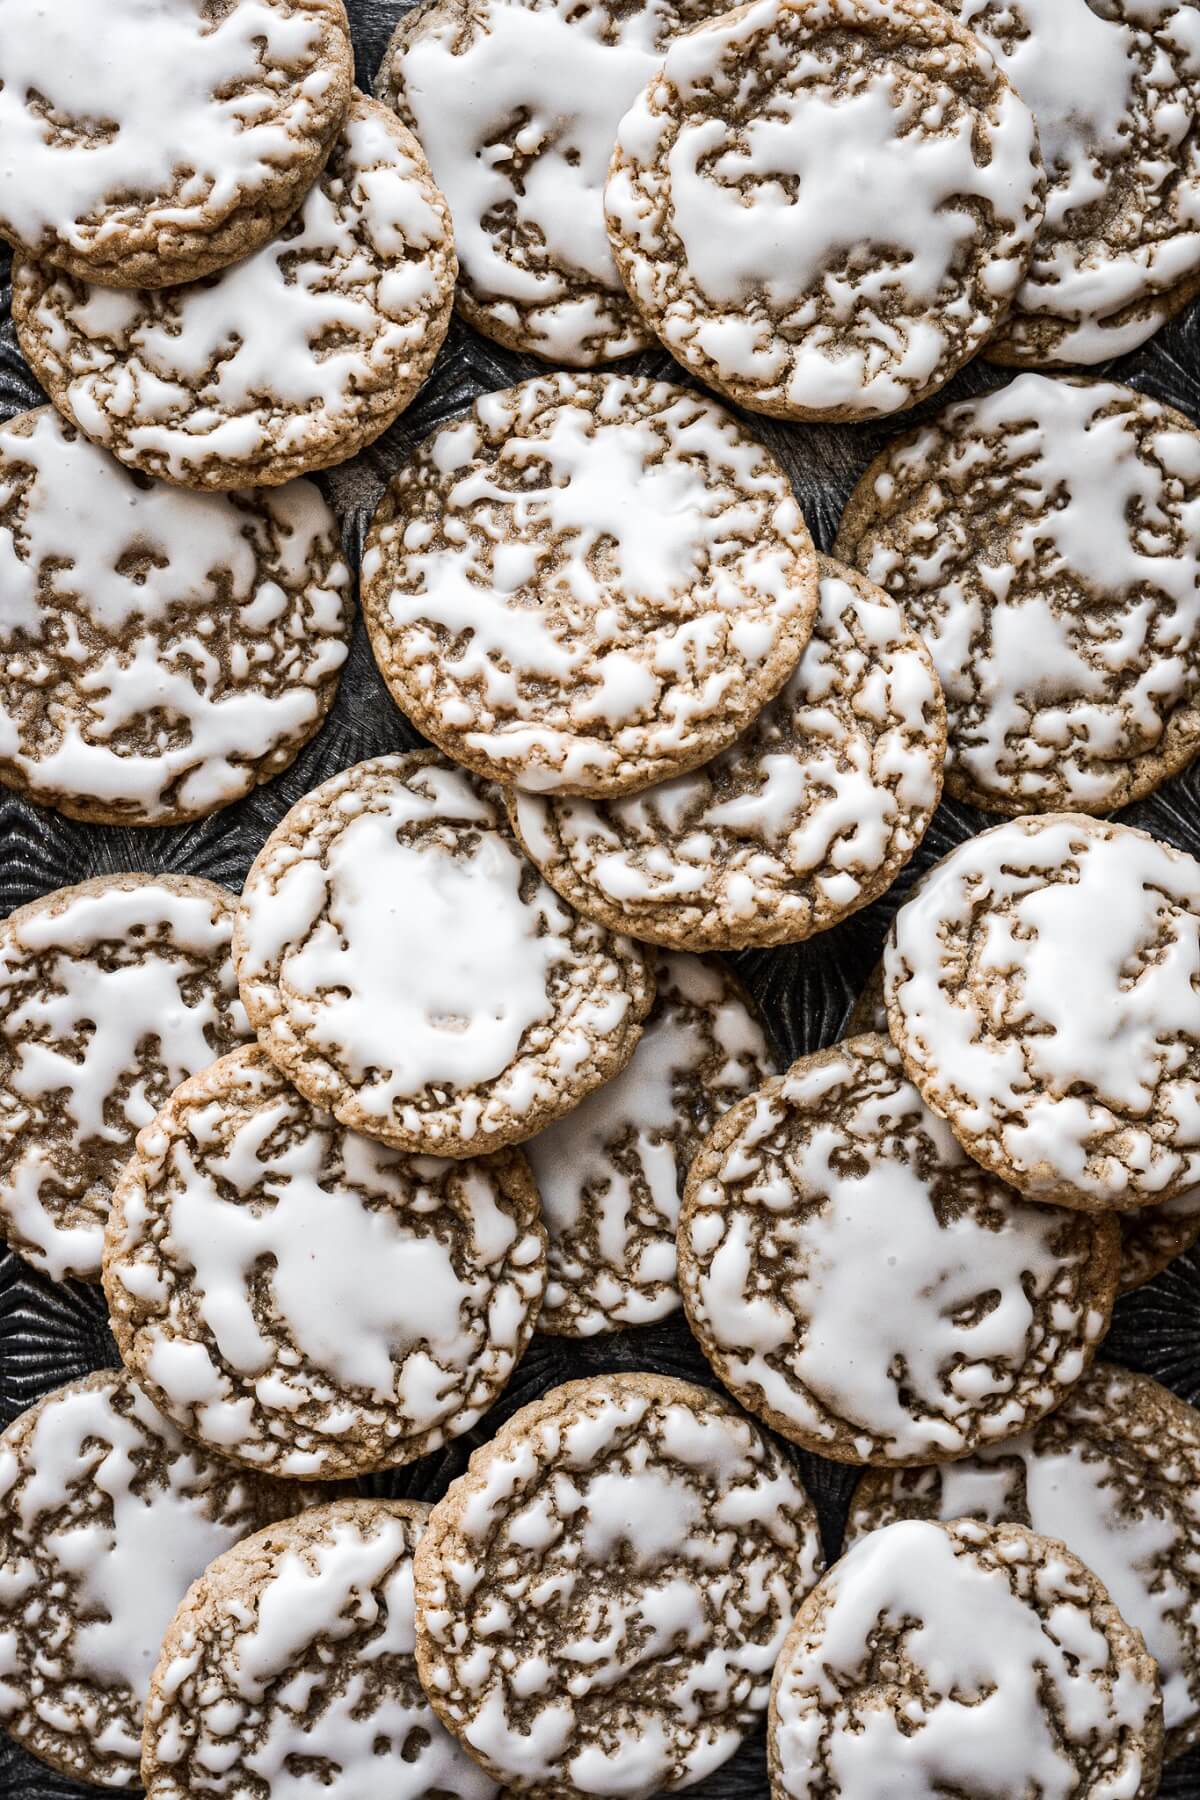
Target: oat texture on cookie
point(177, 141)
point(808, 816)
point(517, 103)
point(1044, 540)
point(304, 1299)
point(407, 968)
point(294, 1652)
point(858, 1282)
point(111, 993)
point(1043, 986)
point(160, 653)
point(963, 1659)
point(1114, 1475)
point(106, 1518)
point(295, 358)
point(588, 583)
point(601, 1598)
point(611, 1172)
point(824, 207)
point(1115, 88)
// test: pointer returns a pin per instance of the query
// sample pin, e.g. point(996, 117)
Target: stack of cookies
point(459, 1064)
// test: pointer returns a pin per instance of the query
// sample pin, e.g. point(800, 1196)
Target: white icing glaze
point(588, 581)
point(857, 1278)
point(1045, 980)
point(107, 1002)
point(649, 1676)
point(609, 1174)
point(279, 358)
point(312, 1660)
point(764, 180)
point(793, 824)
point(1066, 647)
point(173, 643)
point(285, 1284)
point(174, 106)
point(397, 937)
point(1001, 1655)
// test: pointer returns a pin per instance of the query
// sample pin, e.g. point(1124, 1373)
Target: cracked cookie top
point(602, 1596)
point(824, 207)
point(411, 972)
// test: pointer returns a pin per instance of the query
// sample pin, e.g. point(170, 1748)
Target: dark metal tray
point(51, 1332)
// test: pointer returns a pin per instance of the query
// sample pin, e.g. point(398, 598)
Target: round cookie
point(588, 583)
point(611, 1172)
point(1115, 1475)
point(809, 816)
point(1043, 986)
point(1043, 541)
point(601, 1597)
point(160, 653)
point(517, 104)
point(111, 993)
point(302, 1298)
point(1115, 88)
point(962, 1659)
point(106, 1518)
point(295, 359)
point(824, 207)
point(179, 144)
point(294, 1651)
point(408, 970)
point(856, 1281)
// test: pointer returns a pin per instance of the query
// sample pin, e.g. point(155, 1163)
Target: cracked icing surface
point(408, 969)
point(601, 1598)
point(1043, 985)
point(160, 653)
point(1115, 88)
point(178, 139)
point(517, 104)
point(295, 358)
point(823, 207)
point(1045, 540)
point(304, 1299)
point(810, 815)
point(857, 1281)
point(962, 1659)
point(588, 583)
point(1115, 1475)
point(106, 1517)
point(111, 993)
point(291, 1665)
point(611, 1172)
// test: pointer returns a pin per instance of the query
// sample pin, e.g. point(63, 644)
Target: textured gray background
point(52, 1332)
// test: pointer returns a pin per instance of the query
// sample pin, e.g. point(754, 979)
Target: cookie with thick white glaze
point(294, 1651)
point(588, 583)
point(305, 1300)
point(1043, 541)
point(517, 103)
point(602, 1596)
point(295, 359)
point(1043, 988)
point(106, 1518)
point(610, 1174)
point(861, 1285)
point(180, 143)
point(967, 1659)
point(1114, 1475)
point(824, 207)
point(408, 969)
point(808, 816)
point(111, 994)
